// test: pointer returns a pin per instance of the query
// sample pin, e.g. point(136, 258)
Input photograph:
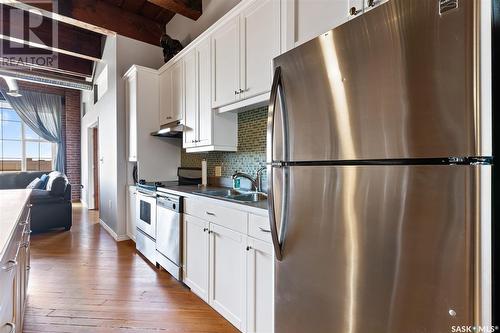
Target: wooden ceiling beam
point(188, 8)
point(67, 40)
point(113, 18)
point(44, 11)
point(58, 63)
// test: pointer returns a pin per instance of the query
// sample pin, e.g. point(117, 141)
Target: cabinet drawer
point(258, 227)
point(227, 217)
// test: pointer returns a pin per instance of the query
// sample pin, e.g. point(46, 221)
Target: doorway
point(95, 165)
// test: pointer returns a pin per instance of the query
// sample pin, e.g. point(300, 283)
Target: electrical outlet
point(218, 171)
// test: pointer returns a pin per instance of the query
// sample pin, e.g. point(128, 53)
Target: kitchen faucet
point(256, 182)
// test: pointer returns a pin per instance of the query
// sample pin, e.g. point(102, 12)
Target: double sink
point(235, 195)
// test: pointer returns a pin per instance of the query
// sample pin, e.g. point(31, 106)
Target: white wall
point(185, 29)
point(129, 52)
point(119, 54)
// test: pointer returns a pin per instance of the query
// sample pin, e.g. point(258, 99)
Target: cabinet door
point(8, 296)
point(191, 100)
point(196, 257)
point(260, 282)
point(178, 91)
point(166, 97)
point(228, 274)
point(131, 100)
point(307, 19)
point(131, 226)
point(226, 63)
point(205, 115)
point(260, 37)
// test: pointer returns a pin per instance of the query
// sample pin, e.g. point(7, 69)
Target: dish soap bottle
point(236, 183)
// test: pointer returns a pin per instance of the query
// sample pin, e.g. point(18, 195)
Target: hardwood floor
point(83, 281)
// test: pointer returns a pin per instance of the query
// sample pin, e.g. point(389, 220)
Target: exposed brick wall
point(70, 126)
point(73, 145)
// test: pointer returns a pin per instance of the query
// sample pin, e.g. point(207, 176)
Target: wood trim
point(191, 8)
point(95, 142)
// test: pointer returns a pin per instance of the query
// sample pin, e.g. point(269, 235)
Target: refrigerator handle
point(271, 114)
point(270, 161)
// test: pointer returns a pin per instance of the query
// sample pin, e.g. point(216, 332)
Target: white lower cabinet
point(14, 276)
point(8, 303)
point(196, 257)
point(229, 264)
point(228, 274)
point(131, 225)
point(260, 288)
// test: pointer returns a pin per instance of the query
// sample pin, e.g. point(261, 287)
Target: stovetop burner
point(186, 176)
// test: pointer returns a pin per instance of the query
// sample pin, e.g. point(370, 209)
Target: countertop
point(12, 203)
point(194, 191)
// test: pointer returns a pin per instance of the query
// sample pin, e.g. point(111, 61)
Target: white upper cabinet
point(178, 90)
point(205, 114)
point(131, 105)
point(191, 99)
point(226, 63)
point(156, 158)
point(242, 51)
point(260, 43)
point(166, 111)
point(307, 19)
point(172, 93)
point(206, 130)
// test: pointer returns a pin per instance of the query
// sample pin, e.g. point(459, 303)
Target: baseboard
point(118, 238)
point(132, 237)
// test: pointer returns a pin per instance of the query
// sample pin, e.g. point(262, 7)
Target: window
point(21, 149)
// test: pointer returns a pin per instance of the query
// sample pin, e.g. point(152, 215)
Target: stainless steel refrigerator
point(379, 165)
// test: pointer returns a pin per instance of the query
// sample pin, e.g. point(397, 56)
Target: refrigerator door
point(400, 81)
point(380, 249)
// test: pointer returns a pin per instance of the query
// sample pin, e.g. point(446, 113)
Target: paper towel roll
point(204, 172)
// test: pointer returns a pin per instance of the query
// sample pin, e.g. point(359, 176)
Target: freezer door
point(400, 81)
point(381, 249)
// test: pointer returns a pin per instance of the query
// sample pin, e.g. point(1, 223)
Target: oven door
point(146, 213)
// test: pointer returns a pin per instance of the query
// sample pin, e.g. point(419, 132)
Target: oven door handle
point(147, 195)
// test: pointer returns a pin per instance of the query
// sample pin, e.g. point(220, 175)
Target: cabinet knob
point(242, 91)
point(236, 92)
point(205, 229)
point(249, 248)
point(11, 264)
point(372, 3)
point(354, 11)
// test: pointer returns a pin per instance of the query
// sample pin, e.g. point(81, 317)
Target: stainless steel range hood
point(170, 130)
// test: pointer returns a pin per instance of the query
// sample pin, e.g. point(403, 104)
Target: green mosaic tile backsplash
point(251, 154)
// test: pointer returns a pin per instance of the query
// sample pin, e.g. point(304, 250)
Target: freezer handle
point(270, 147)
point(272, 214)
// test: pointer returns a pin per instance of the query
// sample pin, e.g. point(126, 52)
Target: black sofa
point(51, 207)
